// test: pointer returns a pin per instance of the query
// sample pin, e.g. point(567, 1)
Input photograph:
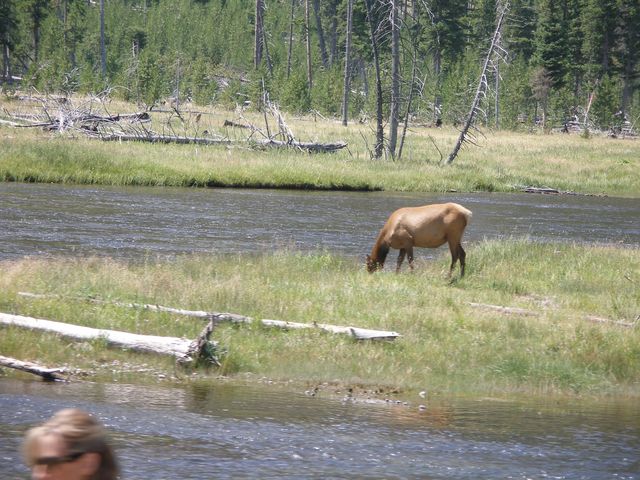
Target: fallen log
point(307, 146)
point(355, 332)
point(546, 190)
point(507, 310)
point(164, 139)
point(267, 143)
point(594, 319)
point(530, 313)
point(231, 123)
point(48, 374)
point(180, 348)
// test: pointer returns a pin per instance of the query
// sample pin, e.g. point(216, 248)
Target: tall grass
point(446, 344)
point(504, 162)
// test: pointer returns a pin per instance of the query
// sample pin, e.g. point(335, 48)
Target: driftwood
point(214, 317)
point(180, 348)
point(531, 313)
point(60, 114)
point(48, 374)
point(546, 190)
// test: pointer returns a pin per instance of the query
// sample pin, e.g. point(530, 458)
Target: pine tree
point(551, 41)
point(8, 33)
point(627, 49)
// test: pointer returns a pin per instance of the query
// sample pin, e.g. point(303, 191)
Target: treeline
point(557, 60)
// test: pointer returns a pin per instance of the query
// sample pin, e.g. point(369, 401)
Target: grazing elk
point(429, 226)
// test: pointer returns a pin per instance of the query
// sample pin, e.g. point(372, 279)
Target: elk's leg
point(400, 259)
point(461, 255)
point(453, 248)
point(410, 257)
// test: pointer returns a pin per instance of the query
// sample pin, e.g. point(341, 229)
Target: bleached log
point(49, 374)
point(501, 309)
point(530, 313)
point(180, 348)
point(594, 319)
point(355, 332)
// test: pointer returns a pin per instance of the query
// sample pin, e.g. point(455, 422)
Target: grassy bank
point(504, 162)
point(447, 345)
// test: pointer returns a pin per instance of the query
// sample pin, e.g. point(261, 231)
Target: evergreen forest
point(552, 61)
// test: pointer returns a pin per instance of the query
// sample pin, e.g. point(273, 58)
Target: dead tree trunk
point(308, 43)
point(216, 317)
point(258, 34)
point(347, 65)
point(321, 42)
point(394, 110)
point(376, 61)
point(290, 48)
point(179, 348)
point(103, 50)
point(481, 89)
point(49, 374)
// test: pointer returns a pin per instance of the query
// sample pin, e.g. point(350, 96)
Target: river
point(229, 432)
point(132, 223)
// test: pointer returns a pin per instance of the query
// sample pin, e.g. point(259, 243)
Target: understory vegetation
point(579, 333)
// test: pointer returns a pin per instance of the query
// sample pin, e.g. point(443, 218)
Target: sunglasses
point(53, 461)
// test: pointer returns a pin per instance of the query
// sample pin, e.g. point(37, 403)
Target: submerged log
point(48, 374)
point(215, 317)
point(179, 348)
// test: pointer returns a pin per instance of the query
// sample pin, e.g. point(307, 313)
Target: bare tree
point(482, 86)
point(258, 34)
point(103, 51)
point(395, 78)
point(320, 30)
point(376, 61)
point(290, 49)
point(347, 65)
point(308, 40)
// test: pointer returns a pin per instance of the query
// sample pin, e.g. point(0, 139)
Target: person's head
point(72, 445)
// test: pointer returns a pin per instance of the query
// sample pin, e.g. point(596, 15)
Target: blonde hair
point(81, 433)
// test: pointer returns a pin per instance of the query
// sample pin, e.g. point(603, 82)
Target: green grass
point(504, 162)
point(447, 345)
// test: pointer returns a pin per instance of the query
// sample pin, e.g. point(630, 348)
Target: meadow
point(580, 336)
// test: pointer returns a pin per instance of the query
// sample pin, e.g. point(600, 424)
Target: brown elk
point(429, 226)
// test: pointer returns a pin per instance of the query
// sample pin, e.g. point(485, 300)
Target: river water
point(224, 431)
point(134, 222)
point(228, 432)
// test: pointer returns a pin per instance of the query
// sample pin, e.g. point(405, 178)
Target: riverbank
point(504, 161)
point(566, 331)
